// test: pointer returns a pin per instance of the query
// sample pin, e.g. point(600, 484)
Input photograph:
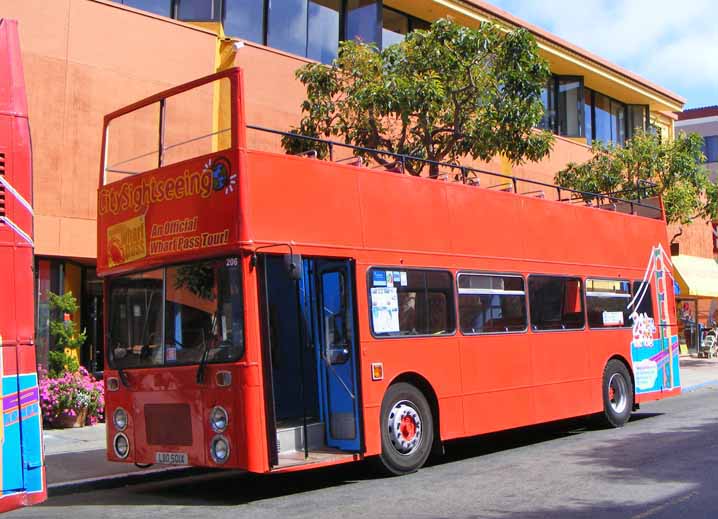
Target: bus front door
point(338, 354)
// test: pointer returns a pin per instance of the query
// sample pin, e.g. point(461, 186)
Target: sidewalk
point(76, 460)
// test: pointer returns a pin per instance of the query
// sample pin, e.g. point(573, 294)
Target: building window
point(637, 118)
point(198, 10)
point(411, 302)
point(362, 20)
point(562, 98)
point(287, 25)
point(710, 148)
point(323, 30)
point(607, 303)
point(611, 119)
point(244, 19)
point(161, 7)
point(395, 27)
point(491, 303)
point(556, 303)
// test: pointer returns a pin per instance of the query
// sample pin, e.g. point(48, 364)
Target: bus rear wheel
point(407, 429)
point(617, 394)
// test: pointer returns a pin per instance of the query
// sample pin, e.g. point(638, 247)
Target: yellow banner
point(126, 241)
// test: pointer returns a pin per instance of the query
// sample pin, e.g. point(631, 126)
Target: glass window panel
point(418, 24)
point(587, 114)
point(556, 303)
point(607, 303)
point(201, 10)
point(323, 33)
point(710, 148)
point(602, 118)
point(244, 19)
point(362, 20)
point(637, 117)
point(645, 303)
point(548, 99)
point(395, 26)
point(491, 304)
point(618, 122)
point(570, 107)
point(411, 302)
point(161, 7)
point(287, 26)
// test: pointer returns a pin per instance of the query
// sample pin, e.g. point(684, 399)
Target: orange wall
point(83, 59)
point(696, 239)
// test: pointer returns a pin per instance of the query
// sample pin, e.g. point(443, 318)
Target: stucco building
point(85, 58)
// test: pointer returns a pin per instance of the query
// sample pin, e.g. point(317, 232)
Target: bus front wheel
point(617, 394)
point(407, 429)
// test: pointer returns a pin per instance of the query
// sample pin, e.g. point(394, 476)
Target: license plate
point(171, 458)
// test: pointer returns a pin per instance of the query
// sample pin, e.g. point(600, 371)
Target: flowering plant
point(70, 395)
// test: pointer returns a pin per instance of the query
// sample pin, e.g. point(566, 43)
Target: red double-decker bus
point(271, 312)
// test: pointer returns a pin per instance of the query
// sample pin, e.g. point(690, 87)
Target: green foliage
point(441, 94)
point(66, 332)
point(648, 166)
point(59, 363)
point(198, 278)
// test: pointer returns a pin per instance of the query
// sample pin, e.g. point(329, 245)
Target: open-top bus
point(271, 312)
point(22, 471)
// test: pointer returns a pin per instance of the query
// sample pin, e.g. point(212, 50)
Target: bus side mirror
point(293, 264)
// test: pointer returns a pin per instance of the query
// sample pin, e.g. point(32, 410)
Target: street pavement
point(662, 462)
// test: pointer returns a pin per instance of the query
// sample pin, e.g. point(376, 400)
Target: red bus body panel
point(379, 218)
point(22, 471)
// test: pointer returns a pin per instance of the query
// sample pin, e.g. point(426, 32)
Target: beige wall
point(83, 59)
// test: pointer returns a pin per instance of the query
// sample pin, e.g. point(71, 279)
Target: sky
point(671, 43)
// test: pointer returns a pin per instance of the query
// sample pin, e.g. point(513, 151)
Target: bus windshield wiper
point(202, 363)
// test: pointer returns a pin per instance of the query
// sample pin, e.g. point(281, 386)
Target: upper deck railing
point(472, 176)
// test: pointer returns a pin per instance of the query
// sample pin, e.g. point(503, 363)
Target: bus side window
point(556, 303)
point(645, 302)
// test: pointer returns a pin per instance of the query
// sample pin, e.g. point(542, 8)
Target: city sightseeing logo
point(221, 176)
point(137, 196)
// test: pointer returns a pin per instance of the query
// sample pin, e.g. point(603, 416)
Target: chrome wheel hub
point(404, 425)
point(618, 393)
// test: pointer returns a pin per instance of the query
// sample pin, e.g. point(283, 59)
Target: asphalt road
point(662, 464)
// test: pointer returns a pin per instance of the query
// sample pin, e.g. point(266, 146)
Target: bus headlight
point(219, 449)
point(218, 419)
point(119, 418)
point(122, 445)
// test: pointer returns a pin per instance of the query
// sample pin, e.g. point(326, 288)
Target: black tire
point(617, 395)
point(404, 449)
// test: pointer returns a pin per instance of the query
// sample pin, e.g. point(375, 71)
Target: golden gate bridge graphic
point(651, 357)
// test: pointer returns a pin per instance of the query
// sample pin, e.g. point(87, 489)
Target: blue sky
point(671, 43)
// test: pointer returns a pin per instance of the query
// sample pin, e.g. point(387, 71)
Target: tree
point(68, 337)
point(441, 94)
point(648, 166)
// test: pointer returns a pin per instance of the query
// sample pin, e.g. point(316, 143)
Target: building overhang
point(696, 277)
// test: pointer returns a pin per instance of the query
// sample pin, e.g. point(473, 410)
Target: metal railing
point(470, 176)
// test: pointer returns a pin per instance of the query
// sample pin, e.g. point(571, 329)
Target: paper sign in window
point(385, 309)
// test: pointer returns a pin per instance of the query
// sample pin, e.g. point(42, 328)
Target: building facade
point(85, 58)
point(698, 245)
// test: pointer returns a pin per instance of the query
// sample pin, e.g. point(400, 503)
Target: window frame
point(494, 274)
point(629, 298)
point(560, 276)
point(109, 358)
point(451, 311)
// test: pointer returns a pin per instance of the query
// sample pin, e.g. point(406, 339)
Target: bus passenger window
point(644, 303)
point(556, 303)
point(491, 304)
point(607, 303)
point(411, 302)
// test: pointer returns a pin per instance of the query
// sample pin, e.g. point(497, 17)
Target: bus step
point(291, 439)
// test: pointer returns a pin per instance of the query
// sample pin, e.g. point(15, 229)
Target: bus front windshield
point(176, 315)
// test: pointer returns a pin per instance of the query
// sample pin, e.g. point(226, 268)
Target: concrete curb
point(118, 480)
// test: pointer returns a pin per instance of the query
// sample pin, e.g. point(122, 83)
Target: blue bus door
point(338, 354)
